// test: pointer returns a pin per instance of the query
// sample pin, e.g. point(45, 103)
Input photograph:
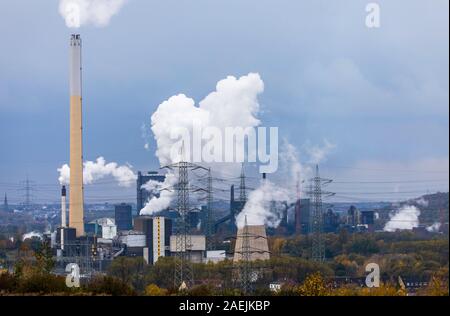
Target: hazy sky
point(379, 95)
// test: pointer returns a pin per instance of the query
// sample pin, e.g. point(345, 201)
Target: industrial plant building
point(157, 231)
point(123, 216)
point(251, 244)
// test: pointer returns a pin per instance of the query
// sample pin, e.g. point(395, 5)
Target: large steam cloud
point(97, 12)
point(234, 103)
point(95, 170)
point(406, 218)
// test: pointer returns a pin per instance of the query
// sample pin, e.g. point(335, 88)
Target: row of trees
point(405, 256)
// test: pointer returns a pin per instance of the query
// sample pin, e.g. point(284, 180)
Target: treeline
point(400, 254)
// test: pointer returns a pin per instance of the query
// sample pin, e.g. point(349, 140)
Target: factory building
point(65, 236)
point(352, 216)
point(142, 194)
point(368, 219)
point(197, 249)
point(215, 256)
point(123, 216)
point(236, 206)
point(251, 239)
point(157, 231)
point(92, 229)
point(302, 216)
point(102, 227)
point(330, 221)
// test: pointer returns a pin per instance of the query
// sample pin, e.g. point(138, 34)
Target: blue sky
point(380, 95)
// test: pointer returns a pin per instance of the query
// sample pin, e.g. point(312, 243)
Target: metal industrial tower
point(27, 187)
point(242, 188)
point(183, 276)
point(209, 213)
point(183, 265)
point(316, 218)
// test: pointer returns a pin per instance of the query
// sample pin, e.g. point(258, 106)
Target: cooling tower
point(76, 200)
point(252, 241)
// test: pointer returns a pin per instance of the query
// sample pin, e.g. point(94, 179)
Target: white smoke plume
point(145, 134)
point(406, 218)
point(318, 154)
point(422, 202)
point(31, 235)
point(97, 12)
point(290, 165)
point(163, 193)
point(434, 228)
point(233, 104)
point(96, 170)
point(258, 209)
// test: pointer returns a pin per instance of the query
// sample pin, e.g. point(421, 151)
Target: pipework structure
point(76, 199)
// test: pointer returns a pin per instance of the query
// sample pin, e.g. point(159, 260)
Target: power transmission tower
point(183, 265)
point(183, 276)
point(209, 213)
point(27, 187)
point(316, 218)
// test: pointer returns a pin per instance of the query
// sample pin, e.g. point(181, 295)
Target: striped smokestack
point(76, 200)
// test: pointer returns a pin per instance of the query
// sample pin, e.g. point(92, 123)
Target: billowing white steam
point(258, 208)
point(233, 104)
point(97, 12)
point(434, 228)
point(31, 235)
point(95, 170)
point(406, 218)
point(317, 154)
point(422, 202)
point(164, 190)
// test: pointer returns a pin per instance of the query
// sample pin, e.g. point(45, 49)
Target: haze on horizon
point(380, 96)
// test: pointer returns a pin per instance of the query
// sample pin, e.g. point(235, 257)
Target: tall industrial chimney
point(76, 200)
point(63, 207)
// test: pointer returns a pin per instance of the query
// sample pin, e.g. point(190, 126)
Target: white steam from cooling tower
point(97, 12)
point(234, 103)
point(96, 170)
point(406, 218)
point(258, 209)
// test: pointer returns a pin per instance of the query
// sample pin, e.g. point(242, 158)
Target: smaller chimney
point(63, 207)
